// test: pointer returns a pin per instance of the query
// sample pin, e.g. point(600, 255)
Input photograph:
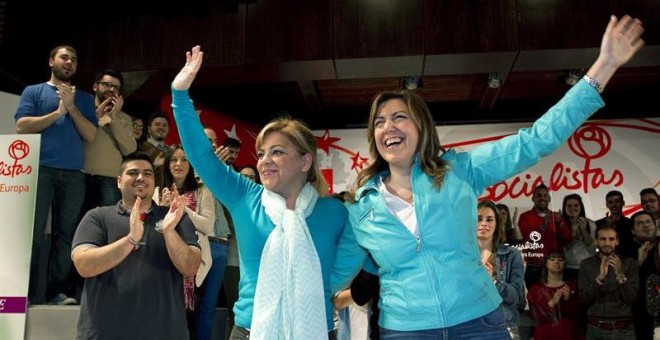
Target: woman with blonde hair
point(287, 229)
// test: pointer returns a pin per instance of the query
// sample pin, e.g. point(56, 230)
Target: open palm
point(188, 72)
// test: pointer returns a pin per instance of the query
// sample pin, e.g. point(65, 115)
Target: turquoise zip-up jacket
point(438, 280)
point(251, 224)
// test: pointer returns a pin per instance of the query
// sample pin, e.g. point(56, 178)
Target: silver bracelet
point(593, 83)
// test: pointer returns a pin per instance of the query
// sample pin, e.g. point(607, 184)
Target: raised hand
point(67, 94)
point(622, 39)
point(136, 221)
point(165, 197)
point(565, 292)
point(604, 267)
point(177, 208)
point(223, 153)
point(184, 79)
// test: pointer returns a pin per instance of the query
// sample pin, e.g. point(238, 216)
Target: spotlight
point(412, 82)
point(573, 76)
point(494, 80)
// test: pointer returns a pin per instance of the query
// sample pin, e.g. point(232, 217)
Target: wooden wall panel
point(136, 43)
point(457, 26)
point(289, 30)
point(562, 24)
point(367, 28)
point(220, 34)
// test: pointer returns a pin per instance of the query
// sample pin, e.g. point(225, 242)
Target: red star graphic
point(325, 142)
point(359, 162)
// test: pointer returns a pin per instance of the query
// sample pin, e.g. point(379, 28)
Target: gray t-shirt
point(142, 297)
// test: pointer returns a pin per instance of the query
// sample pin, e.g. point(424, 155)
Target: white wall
point(8, 105)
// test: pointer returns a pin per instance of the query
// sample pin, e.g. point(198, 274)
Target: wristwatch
point(621, 280)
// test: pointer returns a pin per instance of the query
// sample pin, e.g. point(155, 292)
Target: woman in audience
point(510, 223)
point(503, 263)
point(287, 229)
point(138, 131)
point(414, 210)
point(554, 301)
point(250, 172)
point(584, 234)
point(180, 176)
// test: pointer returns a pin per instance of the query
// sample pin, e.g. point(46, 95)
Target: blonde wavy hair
point(305, 142)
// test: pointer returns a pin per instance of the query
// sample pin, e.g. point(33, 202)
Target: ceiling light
point(412, 82)
point(494, 80)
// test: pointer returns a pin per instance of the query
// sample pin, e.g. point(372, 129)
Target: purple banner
point(13, 304)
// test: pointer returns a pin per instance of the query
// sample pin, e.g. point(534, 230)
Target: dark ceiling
point(324, 60)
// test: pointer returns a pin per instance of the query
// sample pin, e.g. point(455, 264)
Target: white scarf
point(289, 302)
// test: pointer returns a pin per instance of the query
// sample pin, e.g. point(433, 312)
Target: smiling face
point(541, 199)
point(572, 208)
point(396, 136)
point(159, 128)
point(282, 168)
point(614, 204)
point(107, 87)
point(486, 224)
point(179, 167)
point(136, 180)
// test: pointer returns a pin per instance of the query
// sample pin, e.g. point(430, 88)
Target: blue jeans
point(101, 191)
point(491, 326)
point(209, 298)
point(62, 191)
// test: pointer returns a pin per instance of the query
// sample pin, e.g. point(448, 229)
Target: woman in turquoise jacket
point(287, 230)
point(415, 212)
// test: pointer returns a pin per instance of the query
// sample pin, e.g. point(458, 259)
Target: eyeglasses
point(645, 222)
point(110, 85)
point(138, 126)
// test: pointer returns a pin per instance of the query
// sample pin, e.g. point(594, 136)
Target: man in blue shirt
point(65, 117)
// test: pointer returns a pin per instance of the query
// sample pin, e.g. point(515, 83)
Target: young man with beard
point(113, 141)
point(623, 225)
point(157, 128)
point(651, 203)
point(608, 285)
point(64, 116)
point(133, 256)
point(543, 231)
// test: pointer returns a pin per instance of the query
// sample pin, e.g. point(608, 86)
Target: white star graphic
point(232, 133)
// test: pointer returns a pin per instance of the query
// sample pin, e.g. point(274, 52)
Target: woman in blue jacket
point(414, 211)
point(503, 263)
point(287, 230)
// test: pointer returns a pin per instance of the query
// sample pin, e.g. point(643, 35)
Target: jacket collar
point(372, 183)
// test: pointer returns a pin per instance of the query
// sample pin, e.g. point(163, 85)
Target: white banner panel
point(19, 167)
point(601, 156)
